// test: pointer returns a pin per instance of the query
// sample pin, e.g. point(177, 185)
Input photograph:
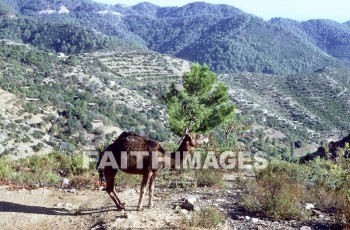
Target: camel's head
point(196, 140)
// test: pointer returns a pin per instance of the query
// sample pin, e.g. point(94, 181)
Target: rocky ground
point(56, 208)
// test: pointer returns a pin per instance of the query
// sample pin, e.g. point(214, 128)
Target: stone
point(305, 228)
point(73, 190)
point(309, 206)
point(191, 199)
point(65, 181)
point(68, 205)
point(220, 200)
point(187, 205)
point(127, 215)
point(254, 220)
point(247, 218)
point(59, 204)
point(183, 211)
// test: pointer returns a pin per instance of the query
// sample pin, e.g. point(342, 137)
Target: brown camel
point(132, 142)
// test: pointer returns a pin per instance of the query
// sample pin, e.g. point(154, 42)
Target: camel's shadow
point(21, 208)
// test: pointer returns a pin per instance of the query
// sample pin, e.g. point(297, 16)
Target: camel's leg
point(152, 183)
point(115, 194)
point(144, 182)
point(109, 175)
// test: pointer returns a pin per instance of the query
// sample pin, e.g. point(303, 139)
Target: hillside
point(330, 36)
point(68, 103)
point(77, 101)
point(311, 106)
point(224, 37)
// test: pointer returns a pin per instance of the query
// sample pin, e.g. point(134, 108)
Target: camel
point(131, 141)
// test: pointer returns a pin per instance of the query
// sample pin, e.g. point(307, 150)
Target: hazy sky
point(338, 10)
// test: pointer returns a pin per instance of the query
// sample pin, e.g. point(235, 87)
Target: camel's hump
point(131, 136)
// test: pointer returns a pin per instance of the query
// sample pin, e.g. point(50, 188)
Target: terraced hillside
point(68, 103)
point(143, 66)
point(82, 101)
point(312, 106)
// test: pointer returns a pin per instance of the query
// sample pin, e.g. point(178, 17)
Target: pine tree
point(201, 105)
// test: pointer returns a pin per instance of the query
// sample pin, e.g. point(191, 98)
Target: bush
point(206, 218)
point(5, 169)
point(38, 134)
point(38, 147)
point(44, 170)
point(282, 189)
point(209, 178)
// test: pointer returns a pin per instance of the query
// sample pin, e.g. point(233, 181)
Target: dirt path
point(59, 209)
point(52, 208)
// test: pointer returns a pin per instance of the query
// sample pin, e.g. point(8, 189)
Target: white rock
point(247, 218)
point(305, 228)
point(309, 206)
point(127, 215)
point(63, 10)
point(59, 205)
point(220, 200)
point(254, 220)
point(191, 199)
point(68, 205)
point(183, 211)
point(73, 190)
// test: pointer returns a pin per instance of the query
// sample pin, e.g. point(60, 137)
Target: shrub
point(44, 170)
point(38, 147)
point(38, 134)
point(83, 181)
point(25, 139)
point(282, 189)
point(209, 178)
point(5, 168)
point(205, 218)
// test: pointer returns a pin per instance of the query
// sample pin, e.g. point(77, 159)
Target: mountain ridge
point(222, 36)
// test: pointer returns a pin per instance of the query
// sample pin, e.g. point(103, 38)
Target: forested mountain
point(224, 37)
point(330, 36)
point(61, 37)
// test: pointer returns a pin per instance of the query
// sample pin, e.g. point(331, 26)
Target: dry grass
point(282, 190)
point(208, 218)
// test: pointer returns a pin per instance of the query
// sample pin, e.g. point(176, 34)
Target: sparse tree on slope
point(201, 105)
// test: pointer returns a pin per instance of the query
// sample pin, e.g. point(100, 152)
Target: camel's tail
point(98, 161)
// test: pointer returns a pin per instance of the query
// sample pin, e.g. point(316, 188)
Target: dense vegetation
point(221, 36)
point(58, 37)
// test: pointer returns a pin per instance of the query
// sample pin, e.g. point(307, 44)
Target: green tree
point(201, 105)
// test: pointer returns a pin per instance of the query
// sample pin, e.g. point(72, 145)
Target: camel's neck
point(181, 153)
